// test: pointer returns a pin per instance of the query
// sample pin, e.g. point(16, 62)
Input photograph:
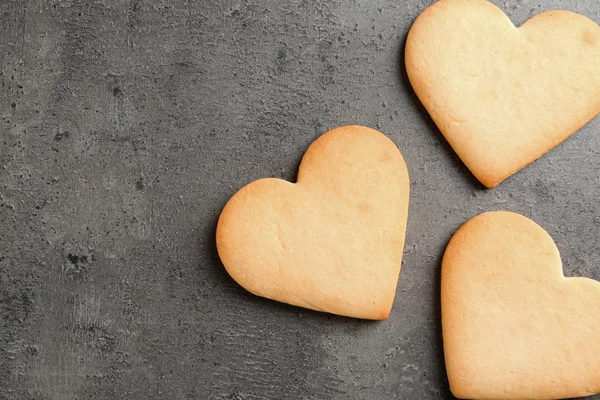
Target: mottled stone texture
point(126, 125)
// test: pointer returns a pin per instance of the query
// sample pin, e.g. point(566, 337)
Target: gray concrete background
point(125, 127)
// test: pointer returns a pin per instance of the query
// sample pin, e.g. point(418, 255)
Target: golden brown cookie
point(514, 327)
point(503, 96)
point(331, 242)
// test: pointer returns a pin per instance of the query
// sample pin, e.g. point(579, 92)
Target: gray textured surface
point(126, 125)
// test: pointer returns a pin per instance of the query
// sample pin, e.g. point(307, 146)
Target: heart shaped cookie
point(331, 242)
point(514, 327)
point(503, 96)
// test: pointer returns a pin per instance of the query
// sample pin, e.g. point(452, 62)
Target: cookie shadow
point(428, 121)
point(439, 341)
